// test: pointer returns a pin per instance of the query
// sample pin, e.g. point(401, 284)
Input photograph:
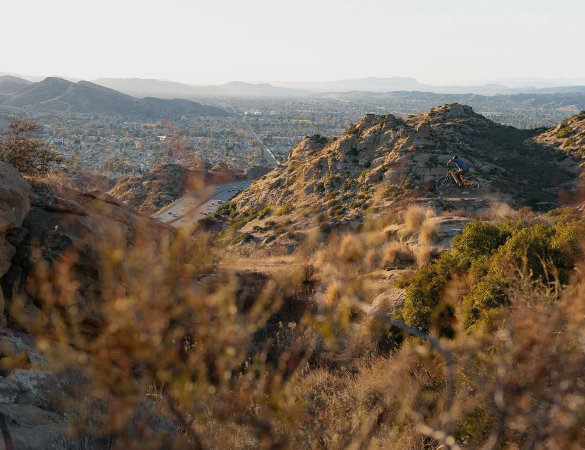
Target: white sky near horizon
point(209, 42)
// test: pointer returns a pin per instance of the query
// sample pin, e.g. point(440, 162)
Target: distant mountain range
point(139, 87)
point(393, 84)
point(107, 94)
point(58, 94)
point(168, 89)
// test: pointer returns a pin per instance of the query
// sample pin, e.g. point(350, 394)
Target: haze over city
point(200, 42)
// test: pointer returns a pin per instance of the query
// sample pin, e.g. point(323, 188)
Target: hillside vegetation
point(568, 136)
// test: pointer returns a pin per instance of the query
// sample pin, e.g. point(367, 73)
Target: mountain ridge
point(162, 88)
point(165, 89)
point(60, 95)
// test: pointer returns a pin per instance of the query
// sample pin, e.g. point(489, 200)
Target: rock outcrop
point(382, 161)
point(42, 406)
point(150, 192)
point(74, 231)
point(568, 136)
point(16, 196)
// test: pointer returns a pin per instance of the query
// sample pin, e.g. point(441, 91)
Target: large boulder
point(44, 405)
point(44, 408)
point(73, 232)
point(16, 196)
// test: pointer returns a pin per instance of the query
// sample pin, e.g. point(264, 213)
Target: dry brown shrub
point(397, 255)
point(332, 295)
point(351, 248)
point(424, 255)
point(373, 258)
point(376, 222)
point(429, 232)
point(414, 217)
point(246, 359)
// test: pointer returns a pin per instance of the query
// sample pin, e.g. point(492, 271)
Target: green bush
point(479, 239)
point(347, 184)
point(264, 212)
point(338, 211)
point(284, 209)
point(226, 209)
point(236, 224)
point(422, 300)
point(564, 132)
point(485, 256)
point(244, 237)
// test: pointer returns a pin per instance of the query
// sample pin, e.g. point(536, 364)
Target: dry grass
point(414, 217)
point(397, 255)
point(66, 185)
point(245, 358)
point(424, 255)
point(428, 232)
point(351, 248)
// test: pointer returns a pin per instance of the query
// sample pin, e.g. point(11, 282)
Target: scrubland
point(480, 346)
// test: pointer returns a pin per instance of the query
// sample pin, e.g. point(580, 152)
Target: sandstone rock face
point(41, 406)
point(15, 199)
point(74, 232)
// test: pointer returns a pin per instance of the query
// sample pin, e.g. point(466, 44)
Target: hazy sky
point(435, 41)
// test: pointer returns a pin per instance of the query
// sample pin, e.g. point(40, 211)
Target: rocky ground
point(568, 136)
point(39, 403)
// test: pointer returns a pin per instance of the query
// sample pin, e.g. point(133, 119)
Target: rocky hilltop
point(568, 136)
point(151, 191)
point(382, 160)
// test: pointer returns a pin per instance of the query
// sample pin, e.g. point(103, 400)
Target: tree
point(19, 149)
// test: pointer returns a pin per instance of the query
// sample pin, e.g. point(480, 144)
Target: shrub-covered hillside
point(384, 160)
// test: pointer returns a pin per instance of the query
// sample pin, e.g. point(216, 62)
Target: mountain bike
point(469, 181)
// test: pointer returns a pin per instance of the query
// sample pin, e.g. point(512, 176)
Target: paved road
point(266, 149)
point(196, 205)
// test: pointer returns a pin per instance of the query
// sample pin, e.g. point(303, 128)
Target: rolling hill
point(9, 84)
point(139, 87)
point(57, 94)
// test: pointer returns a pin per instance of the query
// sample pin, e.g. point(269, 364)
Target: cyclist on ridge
point(462, 169)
